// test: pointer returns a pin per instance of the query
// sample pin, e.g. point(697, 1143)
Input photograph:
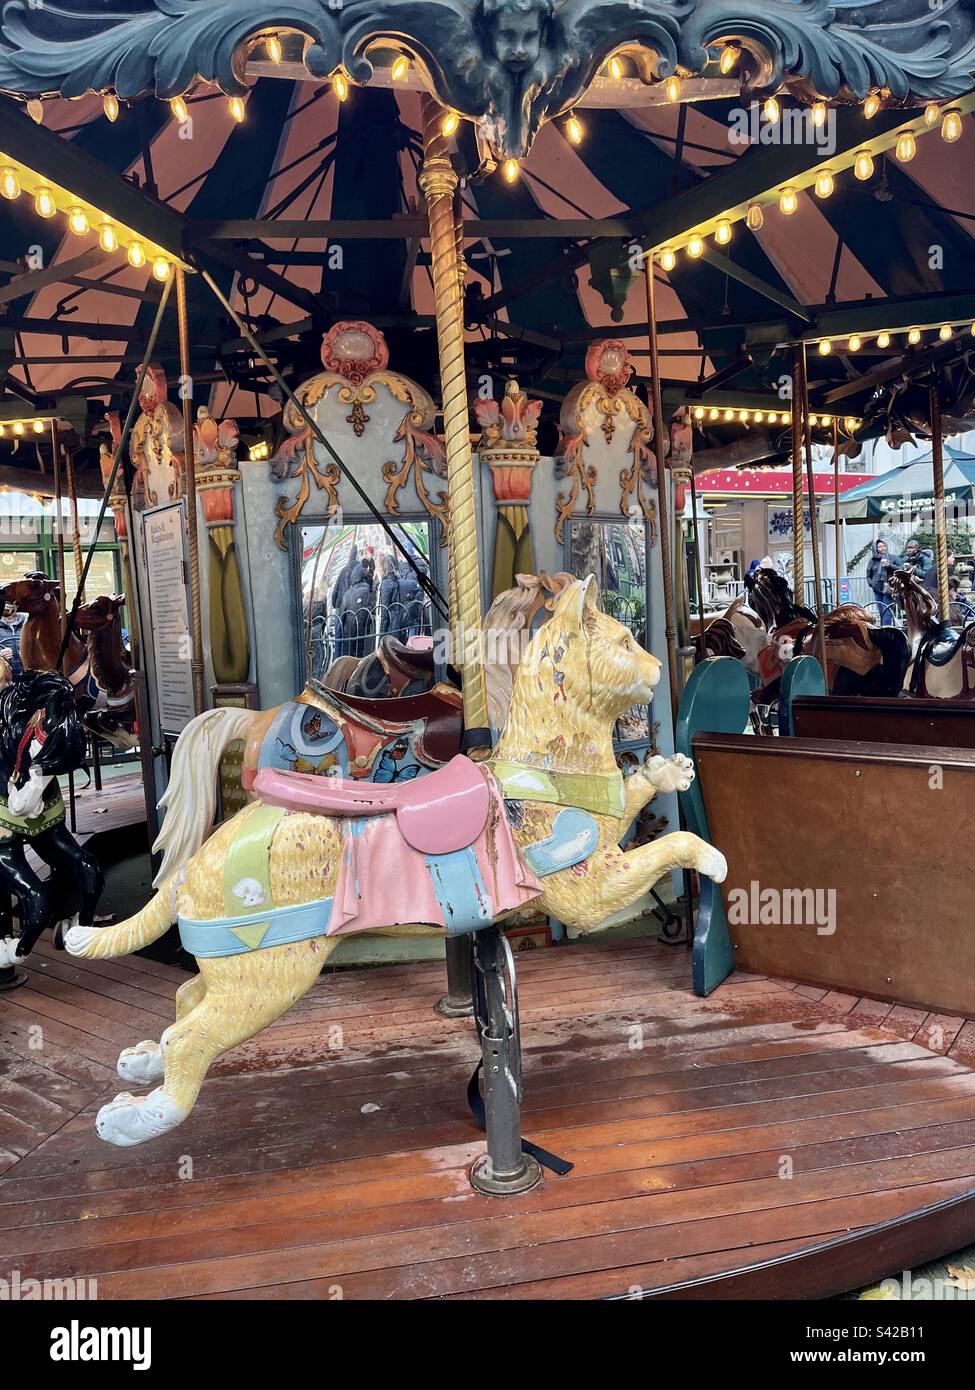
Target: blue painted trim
point(803, 675)
point(715, 700)
point(285, 925)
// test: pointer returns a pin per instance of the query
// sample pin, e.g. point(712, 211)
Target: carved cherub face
point(514, 30)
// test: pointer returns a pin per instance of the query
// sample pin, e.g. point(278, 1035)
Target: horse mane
point(63, 749)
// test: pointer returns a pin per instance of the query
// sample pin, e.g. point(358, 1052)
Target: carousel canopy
point(906, 491)
point(791, 169)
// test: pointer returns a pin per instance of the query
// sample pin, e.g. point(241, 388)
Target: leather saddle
point(385, 673)
point(436, 814)
point(942, 644)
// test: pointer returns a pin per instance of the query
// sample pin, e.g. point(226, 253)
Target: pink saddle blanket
point(436, 814)
point(385, 881)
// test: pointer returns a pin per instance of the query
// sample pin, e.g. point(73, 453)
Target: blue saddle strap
point(278, 926)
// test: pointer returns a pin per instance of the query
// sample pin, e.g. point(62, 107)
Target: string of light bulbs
point(19, 428)
point(728, 414)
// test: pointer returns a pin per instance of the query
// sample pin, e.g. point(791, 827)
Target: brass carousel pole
point(813, 519)
point(698, 562)
point(798, 529)
point(75, 529)
point(438, 180)
point(505, 1168)
point(670, 629)
point(836, 506)
point(59, 523)
point(189, 457)
point(940, 521)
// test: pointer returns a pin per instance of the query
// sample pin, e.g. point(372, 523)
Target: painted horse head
point(770, 596)
point(38, 711)
point(32, 593)
point(99, 613)
point(920, 605)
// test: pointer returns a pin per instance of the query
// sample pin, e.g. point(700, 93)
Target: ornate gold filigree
point(422, 453)
point(641, 473)
point(326, 478)
point(571, 464)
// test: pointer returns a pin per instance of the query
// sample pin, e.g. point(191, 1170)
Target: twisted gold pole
point(438, 180)
point(798, 530)
point(192, 529)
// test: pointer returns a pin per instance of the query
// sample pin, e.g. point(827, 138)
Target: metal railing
point(355, 632)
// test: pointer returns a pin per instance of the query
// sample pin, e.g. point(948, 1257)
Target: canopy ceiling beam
point(754, 282)
point(760, 170)
point(57, 273)
point(405, 226)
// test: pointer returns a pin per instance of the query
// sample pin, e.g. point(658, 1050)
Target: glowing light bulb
point(850, 423)
point(863, 165)
point(906, 147)
point(813, 421)
point(9, 183)
point(510, 169)
point(772, 110)
point(722, 232)
point(400, 68)
point(137, 254)
point(160, 268)
point(743, 416)
point(18, 428)
point(755, 218)
point(713, 413)
point(824, 183)
point(914, 337)
point(872, 105)
point(759, 416)
point(110, 106)
point(883, 340)
point(699, 413)
point(951, 127)
point(38, 426)
point(450, 123)
point(44, 204)
point(673, 88)
point(236, 108)
point(825, 347)
point(772, 417)
point(3, 431)
point(695, 246)
point(574, 129)
point(78, 221)
point(107, 237)
point(946, 332)
point(272, 47)
point(729, 58)
point(855, 343)
point(340, 85)
point(788, 201)
point(819, 111)
point(668, 258)
point(179, 108)
point(973, 330)
point(932, 113)
point(615, 66)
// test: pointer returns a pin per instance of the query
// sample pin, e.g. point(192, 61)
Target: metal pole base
point(454, 1008)
point(458, 1002)
point(12, 978)
point(485, 1179)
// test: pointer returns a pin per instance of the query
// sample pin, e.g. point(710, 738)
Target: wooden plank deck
point(727, 1143)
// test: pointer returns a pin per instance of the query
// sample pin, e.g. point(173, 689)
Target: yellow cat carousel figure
point(268, 898)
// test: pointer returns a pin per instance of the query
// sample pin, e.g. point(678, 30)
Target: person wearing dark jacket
point(390, 608)
point(344, 576)
point(411, 599)
point(357, 622)
point(930, 580)
point(921, 561)
point(879, 569)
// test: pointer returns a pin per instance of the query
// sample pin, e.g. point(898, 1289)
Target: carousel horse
point(40, 737)
point(98, 669)
point(745, 639)
point(395, 668)
point(942, 656)
point(273, 891)
point(335, 733)
point(861, 658)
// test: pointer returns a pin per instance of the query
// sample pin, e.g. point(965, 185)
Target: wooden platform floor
point(771, 1141)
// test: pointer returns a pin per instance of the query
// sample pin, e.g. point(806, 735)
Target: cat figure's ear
point(573, 602)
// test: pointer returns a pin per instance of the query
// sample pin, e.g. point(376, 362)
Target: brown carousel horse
point(99, 668)
point(861, 658)
point(942, 655)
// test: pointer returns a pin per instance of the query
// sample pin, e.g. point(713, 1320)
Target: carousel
point(516, 920)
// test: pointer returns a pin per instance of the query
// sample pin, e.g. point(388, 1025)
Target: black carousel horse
point(41, 737)
point(864, 659)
